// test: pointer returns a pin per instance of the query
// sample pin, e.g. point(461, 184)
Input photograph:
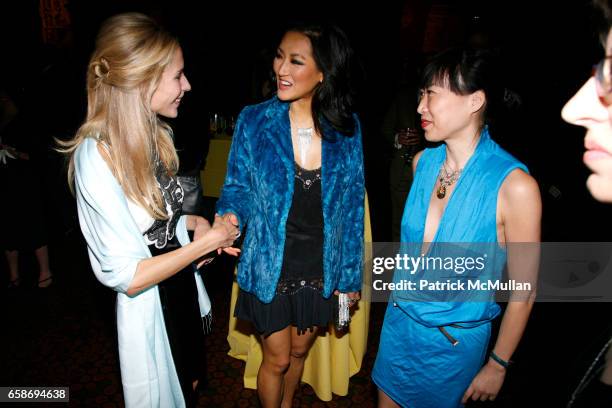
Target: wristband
point(499, 360)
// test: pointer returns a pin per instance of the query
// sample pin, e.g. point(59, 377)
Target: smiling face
point(445, 114)
point(173, 85)
point(297, 74)
point(587, 109)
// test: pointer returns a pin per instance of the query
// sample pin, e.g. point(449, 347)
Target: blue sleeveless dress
point(433, 344)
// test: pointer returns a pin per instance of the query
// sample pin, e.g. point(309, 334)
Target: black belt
point(448, 336)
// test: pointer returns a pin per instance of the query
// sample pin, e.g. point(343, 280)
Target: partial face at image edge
point(588, 108)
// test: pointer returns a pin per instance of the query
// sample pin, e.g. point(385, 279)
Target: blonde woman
point(122, 164)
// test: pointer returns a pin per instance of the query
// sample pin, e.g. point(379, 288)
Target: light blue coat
point(116, 246)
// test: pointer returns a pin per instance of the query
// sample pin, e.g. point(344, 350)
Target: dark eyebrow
point(295, 54)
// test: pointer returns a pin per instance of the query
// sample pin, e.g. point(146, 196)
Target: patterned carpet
point(66, 336)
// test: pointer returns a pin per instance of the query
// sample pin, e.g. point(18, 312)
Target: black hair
point(605, 19)
point(465, 71)
point(333, 101)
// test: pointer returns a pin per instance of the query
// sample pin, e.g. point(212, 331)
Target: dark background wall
point(548, 51)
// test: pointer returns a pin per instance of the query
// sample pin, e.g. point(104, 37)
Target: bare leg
point(384, 401)
point(12, 258)
point(300, 344)
point(276, 349)
point(42, 255)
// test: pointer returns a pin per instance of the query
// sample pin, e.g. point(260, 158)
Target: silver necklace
point(304, 136)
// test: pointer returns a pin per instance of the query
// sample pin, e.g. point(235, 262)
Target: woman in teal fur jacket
point(295, 186)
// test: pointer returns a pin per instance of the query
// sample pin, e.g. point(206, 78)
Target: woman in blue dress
point(465, 190)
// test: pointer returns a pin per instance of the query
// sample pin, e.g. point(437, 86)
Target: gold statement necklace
point(446, 179)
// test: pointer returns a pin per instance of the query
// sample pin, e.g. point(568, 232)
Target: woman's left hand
point(201, 227)
point(487, 383)
point(353, 297)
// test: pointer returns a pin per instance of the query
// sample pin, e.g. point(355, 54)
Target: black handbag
point(193, 202)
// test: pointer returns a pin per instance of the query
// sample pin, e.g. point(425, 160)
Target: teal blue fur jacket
point(258, 188)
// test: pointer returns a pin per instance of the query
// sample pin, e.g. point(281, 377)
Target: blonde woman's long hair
point(124, 71)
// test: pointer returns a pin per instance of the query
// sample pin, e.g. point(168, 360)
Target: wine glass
point(410, 140)
point(213, 122)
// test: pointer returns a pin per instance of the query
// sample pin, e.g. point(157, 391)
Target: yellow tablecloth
point(213, 174)
point(332, 360)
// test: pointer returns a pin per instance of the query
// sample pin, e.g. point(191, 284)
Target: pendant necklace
point(304, 136)
point(304, 140)
point(446, 179)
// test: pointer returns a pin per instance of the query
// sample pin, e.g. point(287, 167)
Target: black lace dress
point(178, 294)
point(298, 301)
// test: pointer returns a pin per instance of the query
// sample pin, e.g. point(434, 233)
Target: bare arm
point(153, 270)
point(520, 208)
point(191, 222)
point(415, 161)
point(198, 224)
point(116, 247)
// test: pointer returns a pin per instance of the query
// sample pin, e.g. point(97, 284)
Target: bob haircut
point(465, 71)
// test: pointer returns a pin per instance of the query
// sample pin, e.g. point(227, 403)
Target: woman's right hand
point(233, 219)
point(221, 235)
point(224, 232)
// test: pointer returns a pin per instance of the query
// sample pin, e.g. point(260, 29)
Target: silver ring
point(238, 235)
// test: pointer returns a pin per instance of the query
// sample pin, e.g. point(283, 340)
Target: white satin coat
point(116, 245)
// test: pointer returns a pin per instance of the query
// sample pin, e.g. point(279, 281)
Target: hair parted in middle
point(124, 71)
point(333, 101)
